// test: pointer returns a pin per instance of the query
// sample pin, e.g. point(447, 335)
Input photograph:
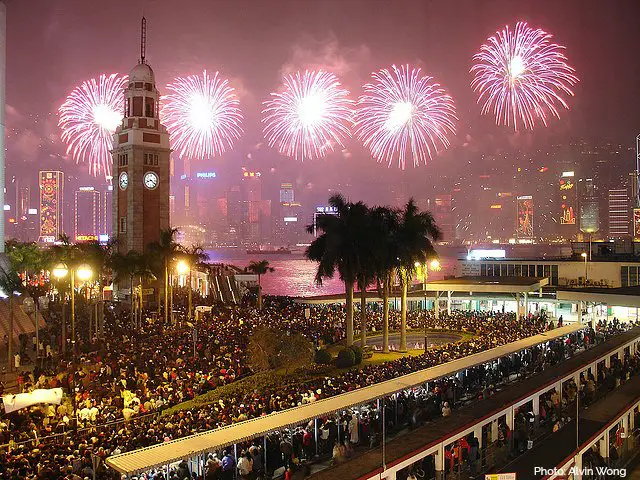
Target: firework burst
point(521, 77)
point(309, 116)
point(202, 115)
point(404, 115)
point(89, 117)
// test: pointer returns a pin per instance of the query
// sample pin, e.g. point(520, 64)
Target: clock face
point(123, 180)
point(150, 180)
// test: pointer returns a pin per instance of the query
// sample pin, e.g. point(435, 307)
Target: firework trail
point(202, 115)
point(309, 116)
point(404, 115)
point(521, 77)
point(89, 117)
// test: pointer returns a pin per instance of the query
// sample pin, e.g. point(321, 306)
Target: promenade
point(434, 432)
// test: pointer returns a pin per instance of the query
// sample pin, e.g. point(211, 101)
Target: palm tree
point(386, 261)
point(28, 260)
point(339, 247)
point(195, 256)
point(70, 255)
point(166, 250)
point(143, 271)
point(10, 284)
point(260, 268)
point(414, 242)
point(99, 257)
point(371, 244)
point(126, 268)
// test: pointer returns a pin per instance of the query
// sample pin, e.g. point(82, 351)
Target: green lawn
point(279, 378)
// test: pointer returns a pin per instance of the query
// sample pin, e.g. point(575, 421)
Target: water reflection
point(294, 275)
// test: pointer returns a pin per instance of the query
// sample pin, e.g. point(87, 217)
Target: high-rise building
point(589, 208)
point(3, 69)
point(286, 193)
point(618, 213)
point(256, 212)
point(106, 214)
point(86, 220)
point(568, 205)
point(524, 223)
point(443, 215)
point(51, 185)
point(23, 203)
point(140, 164)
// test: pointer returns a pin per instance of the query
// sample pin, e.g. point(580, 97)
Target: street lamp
point(586, 258)
point(434, 265)
point(84, 273)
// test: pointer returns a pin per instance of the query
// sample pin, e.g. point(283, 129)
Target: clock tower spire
point(140, 162)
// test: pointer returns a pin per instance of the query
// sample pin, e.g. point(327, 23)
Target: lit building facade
point(443, 215)
point(618, 213)
point(51, 186)
point(87, 218)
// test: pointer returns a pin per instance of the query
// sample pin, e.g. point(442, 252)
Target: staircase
point(22, 322)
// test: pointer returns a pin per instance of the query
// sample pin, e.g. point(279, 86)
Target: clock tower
point(140, 163)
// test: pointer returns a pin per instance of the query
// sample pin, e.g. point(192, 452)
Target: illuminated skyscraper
point(618, 213)
point(23, 203)
point(86, 221)
point(589, 208)
point(286, 193)
point(51, 185)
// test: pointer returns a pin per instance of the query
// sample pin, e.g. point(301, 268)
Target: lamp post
point(183, 268)
point(60, 271)
point(586, 259)
point(84, 273)
point(434, 265)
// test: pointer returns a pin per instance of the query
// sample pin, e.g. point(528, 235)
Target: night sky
point(54, 45)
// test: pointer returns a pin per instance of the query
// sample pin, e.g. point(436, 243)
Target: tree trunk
point(35, 309)
point(10, 345)
point(189, 292)
point(349, 306)
point(385, 315)
point(141, 303)
point(166, 291)
point(133, 303)
point(403, 314)
point(363, 317)
point(63, 347)
point(259, 293)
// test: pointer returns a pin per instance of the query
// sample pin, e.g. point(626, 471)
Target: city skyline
point(34, 137)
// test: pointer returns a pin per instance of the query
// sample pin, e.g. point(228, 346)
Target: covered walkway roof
point(488, 284)
point(150, 457)
point(495, 287)
point(619, 297)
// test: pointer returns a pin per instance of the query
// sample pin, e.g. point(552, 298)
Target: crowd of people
point(116, 386)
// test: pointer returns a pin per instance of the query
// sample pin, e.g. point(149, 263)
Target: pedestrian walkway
point(433, 432)
point(559, 446)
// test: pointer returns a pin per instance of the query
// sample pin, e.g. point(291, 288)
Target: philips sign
point(206, 175)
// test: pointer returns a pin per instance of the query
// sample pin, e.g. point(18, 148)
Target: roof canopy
point(488, 284)
point(147, 458)
point(619, 297)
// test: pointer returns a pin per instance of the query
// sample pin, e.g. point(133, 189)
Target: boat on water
point(269, 251)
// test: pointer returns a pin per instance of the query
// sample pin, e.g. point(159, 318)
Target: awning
point(618, 297)
point(488, 285)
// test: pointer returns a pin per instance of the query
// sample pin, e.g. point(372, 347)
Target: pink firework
point(404, 115)
point(202, 115)
point(309, 116)
point(521, 77)
point(89, 117)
